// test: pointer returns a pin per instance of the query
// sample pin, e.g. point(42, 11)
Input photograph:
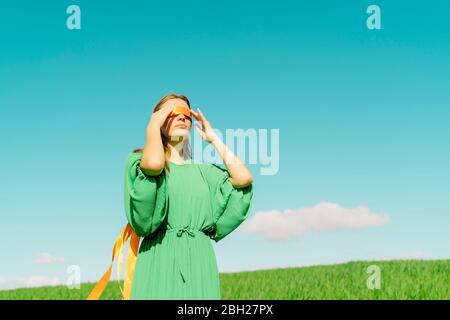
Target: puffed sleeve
point(145, 197)
point(230, 205)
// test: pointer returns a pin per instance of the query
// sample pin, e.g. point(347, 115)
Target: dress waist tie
point(186, 247)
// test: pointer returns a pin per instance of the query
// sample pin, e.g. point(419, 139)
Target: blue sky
point(363, 117)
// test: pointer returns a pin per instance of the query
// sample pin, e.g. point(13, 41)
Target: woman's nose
point(183, 117)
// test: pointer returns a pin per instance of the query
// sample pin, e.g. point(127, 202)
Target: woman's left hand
point(206, 132)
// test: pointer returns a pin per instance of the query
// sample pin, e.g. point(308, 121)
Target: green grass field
point(400, 279)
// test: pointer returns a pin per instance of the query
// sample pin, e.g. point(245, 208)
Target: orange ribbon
point(133, 247)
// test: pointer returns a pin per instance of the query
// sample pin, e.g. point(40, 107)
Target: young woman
point(178, 205)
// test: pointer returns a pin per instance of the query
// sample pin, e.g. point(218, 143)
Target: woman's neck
point(175, 151)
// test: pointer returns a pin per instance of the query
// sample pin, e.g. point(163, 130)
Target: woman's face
point(178, 125)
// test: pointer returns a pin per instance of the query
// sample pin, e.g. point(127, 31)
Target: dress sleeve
point(145, 197)
point(230, 205)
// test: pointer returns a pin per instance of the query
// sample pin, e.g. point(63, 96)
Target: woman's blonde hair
point(187, 153)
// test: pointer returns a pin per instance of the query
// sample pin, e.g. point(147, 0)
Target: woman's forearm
point(240, 176)
point(153, 159)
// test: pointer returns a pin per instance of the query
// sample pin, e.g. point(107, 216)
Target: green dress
point(178, 214)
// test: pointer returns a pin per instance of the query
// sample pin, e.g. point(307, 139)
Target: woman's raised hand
point(206, 131)
point(160, 116)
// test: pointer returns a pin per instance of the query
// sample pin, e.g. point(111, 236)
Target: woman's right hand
point(160, 116)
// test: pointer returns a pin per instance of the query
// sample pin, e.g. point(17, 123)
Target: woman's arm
point(153, 160)
point(240, 176)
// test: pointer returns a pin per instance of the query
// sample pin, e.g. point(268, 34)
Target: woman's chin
point(179, 132)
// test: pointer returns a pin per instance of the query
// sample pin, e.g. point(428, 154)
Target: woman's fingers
point(196, 116)
point(166, 111)
point(161, 115)
point(200, 117)
point(200, 131)
point(201, 114)
point(205, 123)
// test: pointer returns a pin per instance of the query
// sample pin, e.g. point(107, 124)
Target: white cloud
point(46, 258)
point(323, 217)
point(28, 282)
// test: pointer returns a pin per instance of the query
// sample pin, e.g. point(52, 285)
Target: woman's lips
point(183, 126)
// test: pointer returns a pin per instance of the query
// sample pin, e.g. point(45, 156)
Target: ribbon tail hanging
point(126, 233)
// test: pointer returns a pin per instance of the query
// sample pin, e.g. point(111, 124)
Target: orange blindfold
point(181, 110)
